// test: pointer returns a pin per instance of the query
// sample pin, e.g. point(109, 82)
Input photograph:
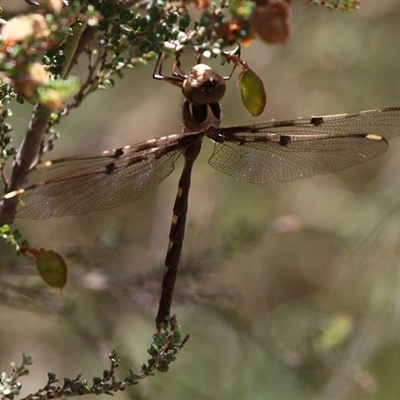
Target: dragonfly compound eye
point(203, 86)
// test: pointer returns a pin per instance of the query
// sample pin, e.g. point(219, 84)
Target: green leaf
point(96, 380)
point(52, 268)
point(51, 376)
point(164, 367)
point(5, 230)
point(152, 352)
point(252, 91)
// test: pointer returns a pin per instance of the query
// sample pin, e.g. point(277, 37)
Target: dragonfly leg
point(178, 66)
point(176, 78)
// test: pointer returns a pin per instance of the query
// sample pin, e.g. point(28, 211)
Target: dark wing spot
point(284, 140)
point(110, 168)
point(118, 153)
point(317, 121)
point(284, 123)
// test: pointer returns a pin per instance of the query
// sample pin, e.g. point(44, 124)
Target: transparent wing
point(78, 185)
point(281, 151)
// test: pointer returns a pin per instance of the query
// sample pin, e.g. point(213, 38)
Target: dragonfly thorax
point(203, 86)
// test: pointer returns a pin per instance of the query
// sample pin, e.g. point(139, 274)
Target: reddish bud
point(270, 21)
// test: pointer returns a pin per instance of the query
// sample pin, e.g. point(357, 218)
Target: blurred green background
point(290, 291)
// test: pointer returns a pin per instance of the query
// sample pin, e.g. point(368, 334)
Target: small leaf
point(170, 357)
point(52, 268)
point(163, 367)
point(155, 347)
point(86, 389)
point(177, 336)
point(96, 380)
point(252, 91)
point(27, 360)
point(17, 234)
point(152, 352)
point(5, 230)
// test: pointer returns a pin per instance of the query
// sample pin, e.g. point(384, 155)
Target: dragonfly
point(266, 152)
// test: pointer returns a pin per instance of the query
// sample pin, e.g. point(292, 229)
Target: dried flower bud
point(28, 84)
point(52, 99)
point(54, 5)
point(32, 26)
point(270, 21)
point(200, 4)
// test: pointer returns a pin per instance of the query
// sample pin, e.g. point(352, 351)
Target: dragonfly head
point(203, 86)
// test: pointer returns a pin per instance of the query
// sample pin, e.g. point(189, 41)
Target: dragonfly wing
point(282, 151)
point(78, 185)
point(273, 162)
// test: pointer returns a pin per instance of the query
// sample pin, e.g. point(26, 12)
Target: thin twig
point(29, 149)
